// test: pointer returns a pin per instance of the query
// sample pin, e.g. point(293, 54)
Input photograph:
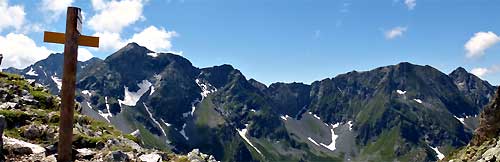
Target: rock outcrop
point(485, 145)
point(489, 122)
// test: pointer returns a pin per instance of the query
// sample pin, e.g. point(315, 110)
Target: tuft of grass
point(13, 133)
point(45, 99)
point(15, 117)
point(132, 138)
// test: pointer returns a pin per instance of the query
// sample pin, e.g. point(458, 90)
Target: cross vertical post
point(68, 85)
point(71, 39)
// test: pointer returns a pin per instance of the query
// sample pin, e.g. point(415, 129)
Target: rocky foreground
point(485, 146)
point(29, 121)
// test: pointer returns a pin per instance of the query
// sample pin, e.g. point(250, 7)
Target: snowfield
point(284, 117)
point(152, 54)
point(418, 101)
point(440, 155)
point(243, 133)
point(401, 92)
point(331, 146)
point(313, 141)
point(154, 120)
point(206, 88)
point(131, 98)
point(87, 92)
point(57, 81)
point(31, 72)
point(183, 132)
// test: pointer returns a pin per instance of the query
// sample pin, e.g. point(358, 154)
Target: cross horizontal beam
point(54, 37)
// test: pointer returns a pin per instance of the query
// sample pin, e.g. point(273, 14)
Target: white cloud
point(11, 16)
point(55, 7)
point(20, 51)
point(411, 4)
point(395, 32)
point(109, 41)
point(98, 4)
point(155, 39)
point(114, 15)
point(481, 71)
point(479, 43)
point(84, 54)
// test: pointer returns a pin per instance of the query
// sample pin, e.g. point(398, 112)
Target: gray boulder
point(34, 131)
point(118, 156)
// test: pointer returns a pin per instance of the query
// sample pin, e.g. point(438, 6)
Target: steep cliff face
point(485, 145)
point(489, 126)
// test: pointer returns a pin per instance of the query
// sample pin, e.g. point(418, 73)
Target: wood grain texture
point(55, 37)
point(68, 86)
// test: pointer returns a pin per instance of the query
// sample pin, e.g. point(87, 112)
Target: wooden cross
point(71, 39)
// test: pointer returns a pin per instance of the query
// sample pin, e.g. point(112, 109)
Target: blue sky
point(279, 40)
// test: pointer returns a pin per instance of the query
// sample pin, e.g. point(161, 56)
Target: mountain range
point(402, 112)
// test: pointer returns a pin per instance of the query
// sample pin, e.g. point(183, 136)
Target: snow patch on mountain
point(439, 155)
point(153, 54)
point(104, 115)
point(312, 141)
point(136, 132)
point(243, 133)
point(331, 146)
point(131, 98)
point(87, 92)
point(193, 106)
point(418, 100)
point(154, 120)
point(315, 116)
point(167, 124)
point(462, 120)
point(284, 117)
point(401, 92)
point(107, 106)
point(57, 81)
point(152, 90)
point(32, 72)
point(183, 132)
point(206, 88)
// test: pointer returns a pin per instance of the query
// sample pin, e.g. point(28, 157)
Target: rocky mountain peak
point(257, 84)
point(459, 71)
point(219, 76)
point(133, 45)
point(130, 49)
point(55, 56)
